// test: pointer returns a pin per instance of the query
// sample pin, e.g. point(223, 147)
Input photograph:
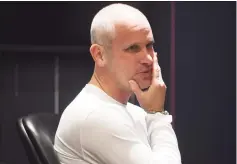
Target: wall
point(205, 81)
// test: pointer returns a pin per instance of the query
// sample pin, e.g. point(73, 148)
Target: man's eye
point(148, 46)
point(134, 48)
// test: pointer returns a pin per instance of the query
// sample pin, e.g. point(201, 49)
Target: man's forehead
point(132, 23)
point(135, 30)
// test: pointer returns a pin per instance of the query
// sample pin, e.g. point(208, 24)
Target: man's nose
point(147, 58)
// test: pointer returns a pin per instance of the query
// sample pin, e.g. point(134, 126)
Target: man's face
point(132, 54)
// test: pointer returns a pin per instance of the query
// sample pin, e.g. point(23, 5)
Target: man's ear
point(97, 53)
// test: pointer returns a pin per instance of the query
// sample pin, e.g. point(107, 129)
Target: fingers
point(155, 72)
point(157, 75)
point(156, 69)
point(135, 88)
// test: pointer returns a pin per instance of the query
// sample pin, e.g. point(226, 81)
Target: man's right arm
point(109, 142)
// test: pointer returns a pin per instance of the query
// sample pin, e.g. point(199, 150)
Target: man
point(99, 126)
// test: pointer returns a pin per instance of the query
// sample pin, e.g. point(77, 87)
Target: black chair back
point(37, 133)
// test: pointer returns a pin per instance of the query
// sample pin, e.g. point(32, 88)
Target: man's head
point(122, 46)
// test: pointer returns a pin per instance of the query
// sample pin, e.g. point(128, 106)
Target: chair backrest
point(37, 133)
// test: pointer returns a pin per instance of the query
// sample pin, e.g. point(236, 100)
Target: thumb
point(135, 88)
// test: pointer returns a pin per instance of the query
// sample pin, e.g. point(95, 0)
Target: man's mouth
point(146, 71)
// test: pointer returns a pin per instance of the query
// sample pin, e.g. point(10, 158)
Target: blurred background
point(45, 62)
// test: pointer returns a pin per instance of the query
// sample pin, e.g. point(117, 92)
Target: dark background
point(35, 38)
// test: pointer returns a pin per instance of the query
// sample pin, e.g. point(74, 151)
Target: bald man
point(100, 126)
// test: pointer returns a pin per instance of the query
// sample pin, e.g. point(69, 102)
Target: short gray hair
point(103, 24)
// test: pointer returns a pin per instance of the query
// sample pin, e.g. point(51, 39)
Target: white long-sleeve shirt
point(96, 129)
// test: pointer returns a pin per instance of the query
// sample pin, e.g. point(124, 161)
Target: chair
point(37, 133)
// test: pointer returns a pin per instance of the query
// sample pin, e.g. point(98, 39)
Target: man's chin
point(145, 85)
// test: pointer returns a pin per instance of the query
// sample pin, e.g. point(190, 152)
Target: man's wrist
point(164, 112)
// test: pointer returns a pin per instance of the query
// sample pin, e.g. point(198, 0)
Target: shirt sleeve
point(162, 138)
point(111, 142)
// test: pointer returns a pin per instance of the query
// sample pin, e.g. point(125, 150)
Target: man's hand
point(153, 99)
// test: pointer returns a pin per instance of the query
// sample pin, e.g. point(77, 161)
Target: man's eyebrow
point(138, 43)
point(152, 41)
point(132, 44)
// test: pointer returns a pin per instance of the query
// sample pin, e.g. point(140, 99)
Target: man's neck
point(110, 89)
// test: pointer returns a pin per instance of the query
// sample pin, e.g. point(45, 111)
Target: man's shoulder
point(79, 108)
point(83, 100)
point(89, 106)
